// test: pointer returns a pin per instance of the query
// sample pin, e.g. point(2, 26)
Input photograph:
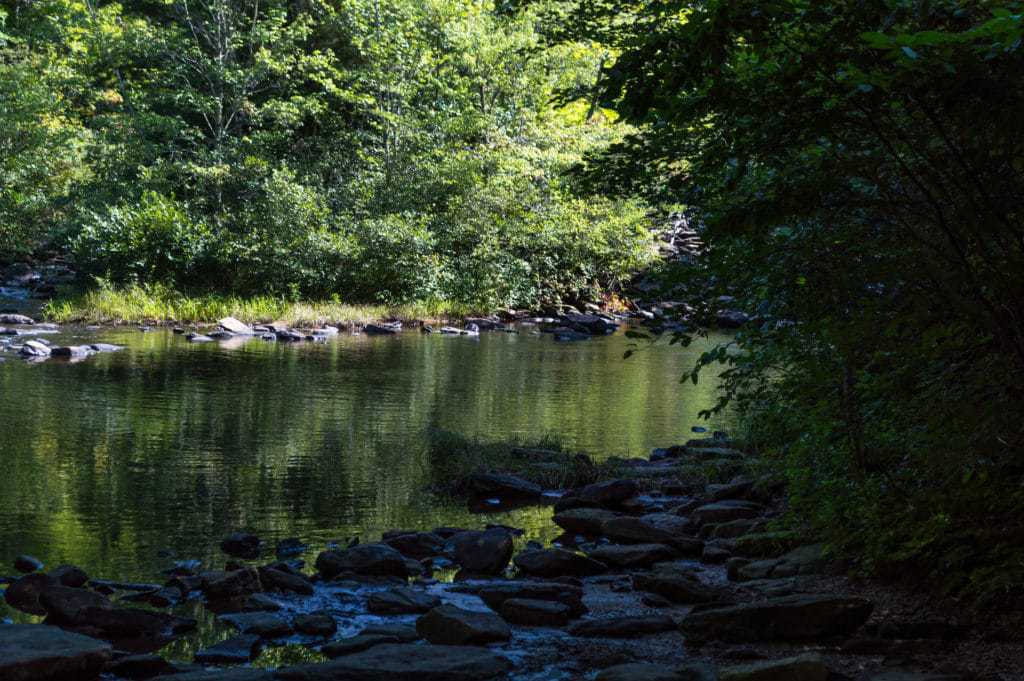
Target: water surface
point(123, 463)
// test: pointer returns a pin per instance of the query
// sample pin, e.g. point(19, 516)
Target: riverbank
point(162, 306)
point(656, 576)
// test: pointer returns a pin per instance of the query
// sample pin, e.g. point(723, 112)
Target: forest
point(854, 170)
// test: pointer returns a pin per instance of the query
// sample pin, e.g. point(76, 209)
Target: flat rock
point(633, 555)
point(787, 618)
point(808, 667)
point(236, 650)
point(34, 652)
point(623, 627)
point(315, 624)
point(405, 662)
point(557, 563)
point(495, 594)
point(262, 624)
point(401, 601)
point(678, 587)
point(232, 325)
point(804, 560)
point(222, 675)
point(532, 613)
point(450, 625)
point(725, 511)
point(356, 644)
point(586, 520)
point(11, 318)
point(139, 667)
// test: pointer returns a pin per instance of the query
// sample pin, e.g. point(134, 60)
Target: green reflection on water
point(122, 463)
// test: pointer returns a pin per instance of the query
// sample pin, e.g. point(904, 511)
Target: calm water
point(122, 463)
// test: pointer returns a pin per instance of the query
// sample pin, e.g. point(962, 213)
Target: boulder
point(678, 587)
point(450, 625)
point(273, 579)
point(401, 601)
point(557, 563)
point(34, 349)
point(808, 667)
point(33, 652)
point(67, 606)
point(633, 555)
point(23, 594)
point(226, 585)
point(786, 618)
point(654, 528)
point(725, 511)
point(26, 564)
point(11, 318)
point(315, 624)
point(805, 560)
point(486, 552)
point(69, 575)
point(533, 613)
point(609, 494)
point(236, 650)
point(232, 325)
point(241, 545)
point(623, 627)
point(585, 520)
point(416, 545)
point(507, 487)
point(72, 351)
point(406, 662)
point(365, 559)
point(495, 594)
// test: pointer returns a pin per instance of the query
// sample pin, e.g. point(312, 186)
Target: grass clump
point(453, 458)
point(157, 304)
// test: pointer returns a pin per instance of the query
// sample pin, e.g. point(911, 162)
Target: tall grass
point(161, 305)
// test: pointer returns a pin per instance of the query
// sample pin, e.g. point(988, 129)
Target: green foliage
point(855, 169)
point(380, 152)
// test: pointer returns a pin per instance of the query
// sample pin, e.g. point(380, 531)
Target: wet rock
point(164, 598)
point(356, 644)
point(383, 328)
point(484, 553)
point(33, 652)
point(532, 613)
point(633, 555)
point(406, 633)
point(787, 618)
point(802, 561)
point(557, 563)
point(585, 520)
point(401, 601)
point(714, 555)
point(623, 627)
point(315, 624)
point(105, 348)
point(609, 494)
point(144, 630)
point(677, 587)
point(67, 606)
point(232, 584)
point(235, 650)
point(198, 338)
point(655, 528)
point(69, 575)
point(450, 625)
point(508, 487)
point(495, 594)
point(404, 662)
point(241, 545)
point(365, 559)
point(23, 594)
point(416, 545)
point(808, 667)
point(139, 667)
point(10, 318)
point(262, 624)
point(725, 511)
point(26, 564)
point(657, 672)
point(72, 351)
point(277, 580)
point(34, 349)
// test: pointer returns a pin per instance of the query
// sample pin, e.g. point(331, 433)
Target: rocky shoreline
point(654, 578)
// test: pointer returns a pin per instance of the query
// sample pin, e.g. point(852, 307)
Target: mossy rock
point(767, 544)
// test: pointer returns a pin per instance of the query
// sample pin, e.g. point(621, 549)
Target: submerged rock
point(34, 652)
